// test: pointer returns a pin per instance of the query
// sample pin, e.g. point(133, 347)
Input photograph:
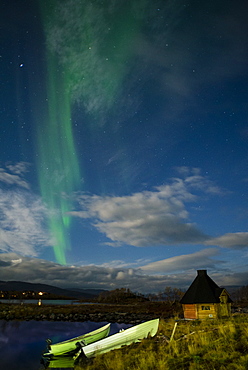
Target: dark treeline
point(170, 295)
point(123, 296)
point(240, 295)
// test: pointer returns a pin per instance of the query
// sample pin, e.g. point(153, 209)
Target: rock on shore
point(75, 313)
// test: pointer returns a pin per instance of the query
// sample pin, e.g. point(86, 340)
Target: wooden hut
point(205, 299)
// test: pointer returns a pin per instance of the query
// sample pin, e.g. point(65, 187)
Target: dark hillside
point(20, 286)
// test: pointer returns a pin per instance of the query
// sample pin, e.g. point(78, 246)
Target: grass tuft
point(197, 345)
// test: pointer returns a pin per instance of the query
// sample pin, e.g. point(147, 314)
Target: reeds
point(205, 345)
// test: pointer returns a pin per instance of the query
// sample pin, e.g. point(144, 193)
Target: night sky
point(124, 142)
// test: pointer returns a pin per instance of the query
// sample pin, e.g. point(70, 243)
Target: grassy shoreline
point(197, 345)
point(205, 345)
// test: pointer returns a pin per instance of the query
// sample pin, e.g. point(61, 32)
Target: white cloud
point(19, 168)
point(232, 278)
point(149, 230)
point(195, 181)
point(124, 264)
point(13, 175)
point(230, 240)
point(148, 218)
point(22, 218)
point(157, 217)
point(22, 214)
point(201, 259)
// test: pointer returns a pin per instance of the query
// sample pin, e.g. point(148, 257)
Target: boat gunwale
point(152, 325)
point(83, 336)
point(56, 349)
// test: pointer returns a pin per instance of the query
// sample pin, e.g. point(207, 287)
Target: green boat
point(69, 347)
point(123, 338)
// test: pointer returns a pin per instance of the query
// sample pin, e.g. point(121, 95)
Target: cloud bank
point(201, 259)
point(159, 217)
point(143, 219)
point(150, 218)
point(41, 271)
point(22, 223)
point(237, 240)
point(22, 214)
point(13, 174)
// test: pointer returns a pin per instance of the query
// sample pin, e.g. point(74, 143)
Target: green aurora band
point(88, 45)
point(94, 41)
point(59, 173)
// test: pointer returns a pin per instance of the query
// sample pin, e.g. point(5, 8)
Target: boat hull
point(70, 346)
point(126, 337)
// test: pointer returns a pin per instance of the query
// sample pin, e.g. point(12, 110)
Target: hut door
point(190, 311)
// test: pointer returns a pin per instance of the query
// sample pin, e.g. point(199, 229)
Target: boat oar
point(173, 331)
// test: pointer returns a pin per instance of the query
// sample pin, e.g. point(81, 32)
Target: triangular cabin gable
point(205, 299)
point(224, 296)
point(224, 308)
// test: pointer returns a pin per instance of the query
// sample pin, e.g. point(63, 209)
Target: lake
point(22, 342)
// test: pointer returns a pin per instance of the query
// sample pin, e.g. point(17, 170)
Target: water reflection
point(22, 342)
point(60, 362)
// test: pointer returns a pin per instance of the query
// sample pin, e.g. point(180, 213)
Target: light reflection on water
point(22, 342)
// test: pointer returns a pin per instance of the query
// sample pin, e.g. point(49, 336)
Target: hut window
point(206, 308)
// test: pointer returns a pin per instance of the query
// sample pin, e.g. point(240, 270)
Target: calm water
point(22, 342)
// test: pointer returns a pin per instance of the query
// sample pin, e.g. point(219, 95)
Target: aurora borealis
point(123, 142)
point(93, 45)
point(85, 63)
point(58, 167)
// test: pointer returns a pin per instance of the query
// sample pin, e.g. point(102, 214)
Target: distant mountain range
point(21, 286)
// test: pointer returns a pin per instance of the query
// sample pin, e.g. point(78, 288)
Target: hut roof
point(203, 290)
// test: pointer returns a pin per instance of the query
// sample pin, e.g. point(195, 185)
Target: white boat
point(126, 337)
